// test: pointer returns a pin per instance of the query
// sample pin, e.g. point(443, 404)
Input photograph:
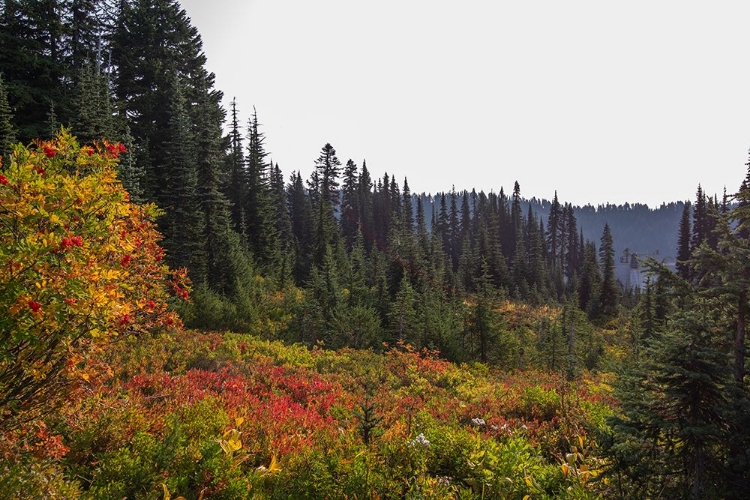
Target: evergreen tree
point(349, 219)
point(700, 220)
point(325, 180)
point(301, 216)
point(609, 294)
point(85, 31)
point(152, 44)
point(7, 131)
point(237, 182)
point(403, 312)
point(590, 283)
point(683, 245)
point(92, 118)
point(258, 206)
point(667, 442)
point(365, 205)
point(181, 223)
point(32, 62)
point(553, 231)
point(483, 314)
point(283, 227)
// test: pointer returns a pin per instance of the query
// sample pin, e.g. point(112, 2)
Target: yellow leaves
point(167, 496)
point(272, 468)
point(230, 442)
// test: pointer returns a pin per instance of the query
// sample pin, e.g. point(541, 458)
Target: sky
point(601, 101)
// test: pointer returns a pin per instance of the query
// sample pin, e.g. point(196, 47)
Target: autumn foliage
point(79, 266)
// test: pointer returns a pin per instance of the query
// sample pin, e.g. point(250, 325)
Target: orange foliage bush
point(79, 265)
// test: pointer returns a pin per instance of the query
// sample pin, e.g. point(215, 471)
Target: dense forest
point(178, 315)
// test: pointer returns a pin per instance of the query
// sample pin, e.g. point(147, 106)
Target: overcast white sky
point(603, 101)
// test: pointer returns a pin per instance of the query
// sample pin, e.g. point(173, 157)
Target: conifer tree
point(668, 440)
point(403, 312)
point(590, 283)
point(282, 226)
point(92, 118)
point(365, 206)
point(220, 243)
point(325, 180)
point(609, 294)
point(237, 181)
point(85, 32)
point(553, 230)
point(7, 131)
point(300, 212)
point(484, 322)
point(258, 207)
point(700, 220)
point(349, 219)
point(32, 62)
point(683, 244)
point(181, 223)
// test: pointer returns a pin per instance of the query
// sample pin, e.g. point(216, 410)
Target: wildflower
point(125, 319)
point(49, 152)
point(35, 306)
point(420, 440)
point(125, 260)
point(479, 422)
point(3, 180)
point(121, 148)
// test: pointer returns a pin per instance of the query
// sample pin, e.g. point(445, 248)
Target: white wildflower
point(444, 480)
point(420, 440)
point(479, 422)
